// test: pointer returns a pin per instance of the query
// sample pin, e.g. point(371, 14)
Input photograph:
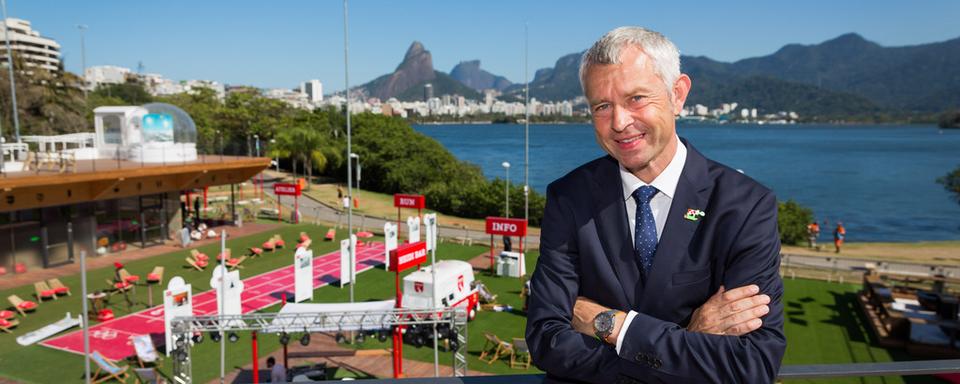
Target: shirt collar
point(666, 182)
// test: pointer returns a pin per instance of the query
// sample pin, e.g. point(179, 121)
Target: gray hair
point(664, 55)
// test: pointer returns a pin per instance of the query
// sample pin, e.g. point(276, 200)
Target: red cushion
point(304, 238)
point(202, 256)
point(256, 250)
point(47, 293)
point(4, 323)
point(122, 285)
point(280, 243)
point(106, 311)
point(27, 305)
point(104, 316)
point(3, 270)
point(132, 278)
point(61, 290)
point(6, 314)
point(201, 263)
point(153, 277)
point(19, 268)
point(364, 234)
point(268, 245)
point(233, 261)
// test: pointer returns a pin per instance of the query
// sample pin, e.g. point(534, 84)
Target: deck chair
point(196, 264)
point(199, 256)
point(255, 251)
point(22, 305)
point(155, 276)
point(6, 325)
point(30, 164)
point(126, 276)
point(521, 354)
point(107, 369)
point(270, 244)
point(43, 291)
point(279, 241)
point(331, 234)
point(494, 348)
point(235, 263)
point(146, 351)
point(58, 286)
point(226, 253)
point(304, 237)
point(68, 161)
point(118, 286)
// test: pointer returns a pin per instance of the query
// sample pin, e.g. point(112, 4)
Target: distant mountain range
point(842, 76)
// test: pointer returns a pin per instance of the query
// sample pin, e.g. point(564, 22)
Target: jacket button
point(657, 363)
point(640, 357)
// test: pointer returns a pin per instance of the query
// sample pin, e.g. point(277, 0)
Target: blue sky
point(280, 43)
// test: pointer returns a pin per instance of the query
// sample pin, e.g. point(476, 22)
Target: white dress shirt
point(666, 185)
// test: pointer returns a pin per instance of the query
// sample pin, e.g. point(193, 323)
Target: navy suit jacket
point(586, 250)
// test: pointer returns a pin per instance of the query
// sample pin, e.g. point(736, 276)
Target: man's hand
point(735, 312)
point(585, 310)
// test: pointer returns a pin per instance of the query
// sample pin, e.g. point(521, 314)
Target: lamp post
point(506, 188)
point(13, 84)
point(256, 139)
point(356, 156)
point(83, 58)
point(273, 143)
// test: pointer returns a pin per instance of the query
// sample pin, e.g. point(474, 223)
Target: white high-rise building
point(106, 74)
point(35, 50)
point(313, 89)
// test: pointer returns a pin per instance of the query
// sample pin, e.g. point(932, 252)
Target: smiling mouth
point(631, 140)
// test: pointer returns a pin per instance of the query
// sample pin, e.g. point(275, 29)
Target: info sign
point(408, 255)
point(177, 301)
point(506, 226)
point(286, 189)
point(303, 275)
point(409, 201)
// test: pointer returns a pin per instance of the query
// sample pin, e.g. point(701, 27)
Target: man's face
point(633, 112)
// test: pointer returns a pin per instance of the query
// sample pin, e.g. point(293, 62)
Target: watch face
point(603, 323)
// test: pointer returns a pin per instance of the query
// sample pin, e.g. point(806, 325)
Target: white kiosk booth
point(152, 133)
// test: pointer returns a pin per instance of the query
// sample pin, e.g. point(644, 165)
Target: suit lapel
point(693, 192)
point(611, 222)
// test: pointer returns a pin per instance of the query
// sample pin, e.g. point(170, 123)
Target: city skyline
point(297, 42)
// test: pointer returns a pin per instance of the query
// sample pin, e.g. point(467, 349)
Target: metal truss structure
point(184, 328)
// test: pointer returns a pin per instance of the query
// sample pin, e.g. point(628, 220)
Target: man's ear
point(681, 88)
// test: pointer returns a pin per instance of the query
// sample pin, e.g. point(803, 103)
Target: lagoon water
point(878, 180)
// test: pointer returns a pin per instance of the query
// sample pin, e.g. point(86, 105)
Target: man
point(278, 373)
point(813, 232)
point(669, 258)
point(838, 235)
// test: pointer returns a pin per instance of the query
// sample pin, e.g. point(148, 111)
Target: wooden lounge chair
point(521, 354)
point(196, 264)
point(118, 286)
point(226, 253)
point(22, 305)
point(146, 351)
point(108, 369)
point(7, 315)
point(155, 276)
point(6, 325)
point(58, 286)
point(278, 241)
point(43, 291)
point(255, 251)
point(494, 348)
point(331, 234)
point(235, 263)
point(199, 256)
point(126, 276)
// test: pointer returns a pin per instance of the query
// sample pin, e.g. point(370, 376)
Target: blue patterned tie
point(645, 231)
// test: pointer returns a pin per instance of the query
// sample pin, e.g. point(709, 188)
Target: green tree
point(951, 182)
point(130, 93)
point(792, 220)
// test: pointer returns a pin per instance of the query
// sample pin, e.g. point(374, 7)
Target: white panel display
point(303, 275)
point(177, 301)
point(233, 288)
point(430, 223)
point(390, 242)
point(345, 262)
point(413, 229)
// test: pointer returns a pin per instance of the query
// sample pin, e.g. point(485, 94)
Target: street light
point(260, 175)
point(273, 143)
point(356, 156)
point(506, 188)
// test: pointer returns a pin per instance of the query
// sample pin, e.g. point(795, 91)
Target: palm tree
point(302, 143)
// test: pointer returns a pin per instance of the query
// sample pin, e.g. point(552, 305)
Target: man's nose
point(621, 119)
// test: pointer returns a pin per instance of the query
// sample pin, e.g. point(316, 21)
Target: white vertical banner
point(345, 263)
point(177, 301)
point(303, 275)
point(353, 251)
point(390, 242)
point(430, 223)
point(413, 229)
point(233, 288)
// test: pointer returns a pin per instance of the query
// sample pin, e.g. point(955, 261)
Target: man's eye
point(601, 108)
point(636, 99)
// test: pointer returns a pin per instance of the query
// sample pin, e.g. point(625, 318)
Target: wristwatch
point(603, 324)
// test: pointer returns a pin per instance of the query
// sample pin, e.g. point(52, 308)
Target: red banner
point(283, 189)
point(409, 201)
point(408, 255)
point(506, 226)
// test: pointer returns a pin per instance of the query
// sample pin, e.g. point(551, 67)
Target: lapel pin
point(694, 214)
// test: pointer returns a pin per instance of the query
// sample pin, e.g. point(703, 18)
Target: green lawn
point(823, 325)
